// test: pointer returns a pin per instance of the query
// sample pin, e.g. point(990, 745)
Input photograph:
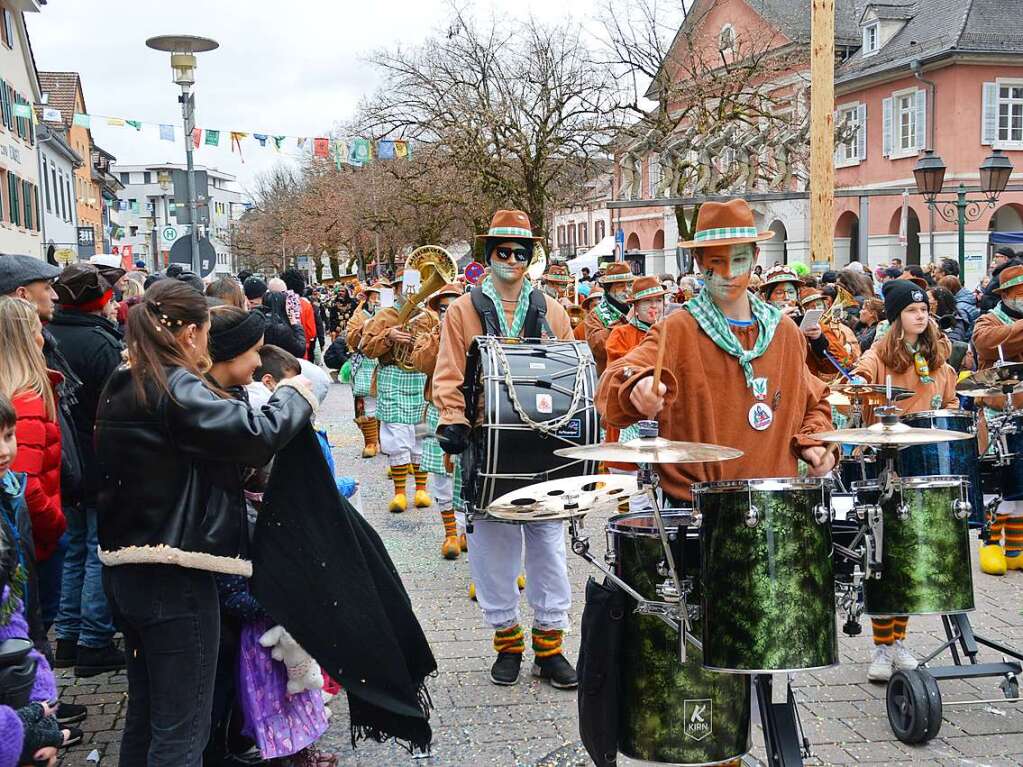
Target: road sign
point(620, 242)
point(181, 253)
point(181, 211)
point(169, 234)
point(474, 272)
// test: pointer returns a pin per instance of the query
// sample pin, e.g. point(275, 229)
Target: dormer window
point(871, 38)
point(726, 38)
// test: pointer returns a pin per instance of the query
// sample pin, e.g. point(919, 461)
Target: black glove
point(40, 731)
point(453, 438)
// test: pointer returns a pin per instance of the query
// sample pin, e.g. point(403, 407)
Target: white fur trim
point(303, 390)
point(168, 555)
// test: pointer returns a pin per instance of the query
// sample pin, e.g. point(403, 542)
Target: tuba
point(576, 314)
point(436, 267)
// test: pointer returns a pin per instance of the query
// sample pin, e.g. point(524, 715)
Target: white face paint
point(1016, 304)
point(620, 293)
point(507, 272)
point(727, 276)
point(784, 294)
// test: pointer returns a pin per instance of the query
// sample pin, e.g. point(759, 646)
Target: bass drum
point(671, 712)
point(535, 398)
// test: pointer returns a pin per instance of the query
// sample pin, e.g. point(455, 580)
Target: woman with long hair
point(25, 380)
point(228, 290)
point(914, 352)
point(168, 518)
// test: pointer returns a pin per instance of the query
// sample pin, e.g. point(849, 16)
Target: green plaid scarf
point(715, 325)
point(607, 313)
point(636, 322)
point(1004, 318)
point(520, 309)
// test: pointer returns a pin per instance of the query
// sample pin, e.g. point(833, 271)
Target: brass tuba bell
point(436, 267)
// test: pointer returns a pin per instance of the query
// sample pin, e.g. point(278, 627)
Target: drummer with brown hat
point(616, 282)
point(734, 371)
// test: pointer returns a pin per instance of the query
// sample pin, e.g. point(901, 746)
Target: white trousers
point(399, 442)
point(1009, 508)
point(370, 405)
point(442, 488)
point(637, 502)
point(495, 561)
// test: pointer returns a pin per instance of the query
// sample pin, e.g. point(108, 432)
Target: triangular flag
point(167, 132)
point(81, 120)
point(321, 147)
point(196, 137)
point(134, 124)
point(212, 137)
point(116, 122)
point(279, 142)
point(24, 110)
point(261, 138)
point(385, 150)
point(401, 149)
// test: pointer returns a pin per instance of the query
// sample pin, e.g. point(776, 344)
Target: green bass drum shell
point(767, 571)
point(925, 555)
point(671, 713)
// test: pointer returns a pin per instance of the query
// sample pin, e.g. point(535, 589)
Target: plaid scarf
point(715, 324)
point(638, 323)
point(607, 313)
point(999, 312)
point(520, 308)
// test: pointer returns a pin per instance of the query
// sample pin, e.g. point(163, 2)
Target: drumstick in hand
point(659, 364)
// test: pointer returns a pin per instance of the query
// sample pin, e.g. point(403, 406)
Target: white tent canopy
point(603, 249)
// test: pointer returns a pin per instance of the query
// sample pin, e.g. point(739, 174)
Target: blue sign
point(620, 238)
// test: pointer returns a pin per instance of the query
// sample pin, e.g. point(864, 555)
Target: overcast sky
point(290, 68)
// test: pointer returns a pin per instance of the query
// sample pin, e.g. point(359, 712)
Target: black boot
point(505, 670)
point(557, 670)
point(67, 653)
point(70, 713)
point(98, 660)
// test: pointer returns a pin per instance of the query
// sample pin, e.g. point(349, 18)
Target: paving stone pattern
point(477, 723)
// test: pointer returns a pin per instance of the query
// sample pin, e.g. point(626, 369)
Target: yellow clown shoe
point(450, 549)
point(423, 499)
point(993, 560)
point(1014, 563)
point(521, 582)
point(472, 591)
point(398, 504)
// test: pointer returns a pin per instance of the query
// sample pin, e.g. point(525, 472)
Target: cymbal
point(973, 388)
point(650, 450)
point(837, 399)
point(1001, 373)
point(871, 392)
point(895, 434)
point(564, 498)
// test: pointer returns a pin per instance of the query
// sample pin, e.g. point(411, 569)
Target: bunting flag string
point(357, 151)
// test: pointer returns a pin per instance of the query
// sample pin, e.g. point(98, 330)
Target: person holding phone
point(833, 348)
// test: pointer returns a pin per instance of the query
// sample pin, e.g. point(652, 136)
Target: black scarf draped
point(323, 573)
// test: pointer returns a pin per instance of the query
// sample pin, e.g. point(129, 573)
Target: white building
point(577, 228)
point(19, 167)
point(147, 209)
point(57, 164)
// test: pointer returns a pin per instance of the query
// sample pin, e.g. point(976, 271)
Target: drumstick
point(659, 364)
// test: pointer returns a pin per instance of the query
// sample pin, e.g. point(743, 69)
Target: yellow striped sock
point(546, 642)
point(450, 528)
point(899, 627)
point(884, 630)
point(420, 476)
point(1013, 536)
point(997, 527)
point(510, 640)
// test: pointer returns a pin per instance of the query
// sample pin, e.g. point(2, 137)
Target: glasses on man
point(507, 254)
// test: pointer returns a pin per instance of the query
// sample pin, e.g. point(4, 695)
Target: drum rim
point(612, 526)
point(717, 669)
point(919, 483)
point(941, 413)
point(773, 483)
point(648, 763)
point(926, 615)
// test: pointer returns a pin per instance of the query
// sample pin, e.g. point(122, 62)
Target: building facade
point(20, 225)
point(57, 165)
point(577, 228)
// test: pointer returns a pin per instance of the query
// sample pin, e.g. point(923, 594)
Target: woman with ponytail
point(167, 442)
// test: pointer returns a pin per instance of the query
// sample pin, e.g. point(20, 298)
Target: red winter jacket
point(308, 324)
point(39, 457)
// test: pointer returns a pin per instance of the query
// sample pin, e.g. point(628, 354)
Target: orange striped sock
point(997, 527)
point(1013, 536)
point(899, 628)
point(450, 528)
point(884, 630)
point(420, 476)
point(398, 475)
point(510, 640)
point(546, 642)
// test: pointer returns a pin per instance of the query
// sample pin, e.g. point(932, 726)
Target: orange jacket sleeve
point(375, 341)
point(614, 388)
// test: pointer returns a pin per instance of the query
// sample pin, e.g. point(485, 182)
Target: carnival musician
point(556, 282)
point(833, 345)
point(399, 392)
point(998, 334)
point(505, 304)
point(616, 283)
point(364, 370)
point(734, 371)
point(588, 304)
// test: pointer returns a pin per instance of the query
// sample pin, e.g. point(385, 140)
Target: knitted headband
point(228, 343)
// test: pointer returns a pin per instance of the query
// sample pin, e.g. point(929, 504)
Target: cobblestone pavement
point(477, 723)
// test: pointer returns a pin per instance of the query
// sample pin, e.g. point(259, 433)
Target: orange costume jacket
point(936, 395)
point(708, 401)
point(842, 345)
point(622, 339)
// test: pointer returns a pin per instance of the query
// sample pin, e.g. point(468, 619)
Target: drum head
point(642, 523)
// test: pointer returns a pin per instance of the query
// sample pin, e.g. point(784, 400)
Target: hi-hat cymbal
point(650, 450)
point(564, 498)
point(977, 390)
point(871, 392)
point(894, 434)
point(1001, 373)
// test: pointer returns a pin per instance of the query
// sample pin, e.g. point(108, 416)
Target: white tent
point(603, 249)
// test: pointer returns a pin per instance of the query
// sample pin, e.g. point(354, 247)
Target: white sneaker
point(903, 658)
point(881, 664)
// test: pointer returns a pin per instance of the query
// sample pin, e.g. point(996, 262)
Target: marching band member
point(914, 354)
point(780, 289)
point(616, 283)
point(507, 305)
point(556, 281)
point(731, 349)
point(588, 304)
point(400, 402)
point(364, 369)
point(1002, 329)
point(839, 344)
point(445, 485)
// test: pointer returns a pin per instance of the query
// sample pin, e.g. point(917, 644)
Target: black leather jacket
point(170, 470)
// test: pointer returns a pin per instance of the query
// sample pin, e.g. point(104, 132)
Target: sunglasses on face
point(507, 254)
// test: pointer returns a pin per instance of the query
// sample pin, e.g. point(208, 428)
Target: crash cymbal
point(895, 434)
point(650, 450)
point(1001, 373)
point(871, 392)
point(564, 498)
point(837, 399)
point(972, 388)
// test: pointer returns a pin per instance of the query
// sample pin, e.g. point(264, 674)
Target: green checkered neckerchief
point(715, 324)
point(520, 308)
point(636, 322)
point(999, 312)
point(607, 313)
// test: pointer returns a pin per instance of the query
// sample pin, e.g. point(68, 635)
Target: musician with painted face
point(505, 304)
point(780, 289)
point(364, 370)
point(734, 371)
point(612, 309)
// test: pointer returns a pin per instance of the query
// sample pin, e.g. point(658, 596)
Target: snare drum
point(944, 459)
point(925, 548)
point(1011, 479)
point(768, 582)
point(671, 712)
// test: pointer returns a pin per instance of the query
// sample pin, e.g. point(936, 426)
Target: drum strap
point(536, 315)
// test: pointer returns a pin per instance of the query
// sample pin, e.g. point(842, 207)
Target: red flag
point(196, 137)
point(321, 147)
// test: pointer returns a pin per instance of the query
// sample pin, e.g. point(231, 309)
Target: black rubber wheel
point(933, 702)
point(908, 707)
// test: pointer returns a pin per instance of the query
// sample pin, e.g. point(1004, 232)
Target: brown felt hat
point(725, 223)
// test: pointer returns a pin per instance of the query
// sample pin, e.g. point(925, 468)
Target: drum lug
point(902, 512)
point(696, 520)
point(960, 509)
point(666, 590)
point(822, 514)
point(752, 516)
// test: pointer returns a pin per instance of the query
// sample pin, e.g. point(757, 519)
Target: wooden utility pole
point(822, 131)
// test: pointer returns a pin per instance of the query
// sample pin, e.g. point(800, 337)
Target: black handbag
point(599, 671)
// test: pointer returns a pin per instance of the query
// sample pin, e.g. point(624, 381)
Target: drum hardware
point(961, 509)
point(752, 516)
point(902, 511)
point(822, 514)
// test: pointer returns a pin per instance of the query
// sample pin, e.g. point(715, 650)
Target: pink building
point(912, 74)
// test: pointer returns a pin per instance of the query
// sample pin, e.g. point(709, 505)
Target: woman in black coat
point(279, 329)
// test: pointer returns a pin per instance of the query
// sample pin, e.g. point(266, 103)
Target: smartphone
point(811, 319)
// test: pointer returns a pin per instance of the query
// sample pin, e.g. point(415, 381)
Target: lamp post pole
point(188, 120)
point(961, 211)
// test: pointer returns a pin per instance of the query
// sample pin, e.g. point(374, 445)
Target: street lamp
point(930, 179)
point(182, 49)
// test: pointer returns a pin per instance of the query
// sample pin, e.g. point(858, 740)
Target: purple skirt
point(281, 724)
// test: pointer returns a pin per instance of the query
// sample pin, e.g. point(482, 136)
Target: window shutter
point(921, 119)
point(861, 134)
point(989, 115)
point(888, 127)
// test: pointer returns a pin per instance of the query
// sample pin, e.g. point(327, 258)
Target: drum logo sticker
point(544, 403)
point(571, 430)
point(699, 718)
